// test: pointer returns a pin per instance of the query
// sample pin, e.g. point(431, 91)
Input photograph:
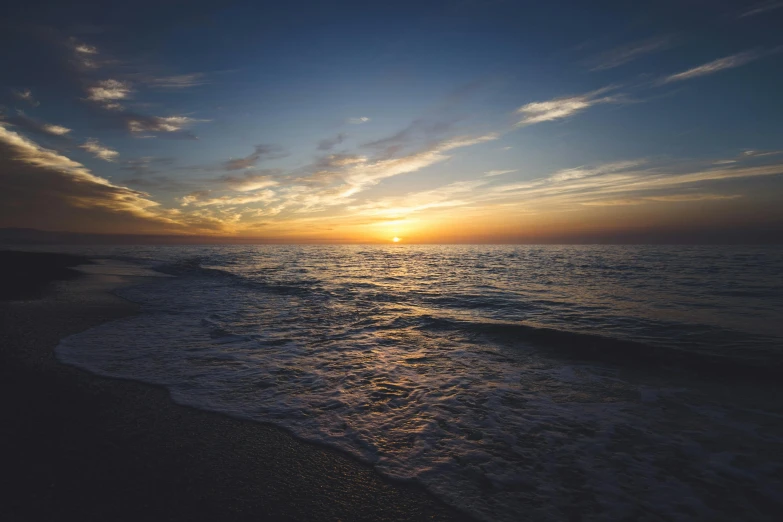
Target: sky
point(475, 121)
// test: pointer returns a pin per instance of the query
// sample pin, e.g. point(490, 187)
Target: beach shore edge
point(83, 446)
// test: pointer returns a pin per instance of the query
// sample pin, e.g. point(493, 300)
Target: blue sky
point(359, 121)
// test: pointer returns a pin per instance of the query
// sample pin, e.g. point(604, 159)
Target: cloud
point(264, 196)
point(330, 143)
point(99, 151)
point(107, 92)
point(491, 173)
point(336, 180)
point(611, 185)
point(671, 198)
point(181, 81)
point(144, 165)
point(627, 53)
point(44, 189)
point(85, 56)
point(678, 198)
point(261, 151)
point(416, 132)
point(721, 64)
point(560, 108)
point(194, 197)
point(613, 203)
point(341, 160)
point(762, 8)
point(85, 49)
point(395, 208)
point(41, 188)
point(357, 177)
point(55, 130)
point(584, 172)
point(27, 96)
point(138, 123)
point(27, 123)
point(747, 155)
point(758, 153)
point(608, 185)
point(358, 121)
point(251, 181)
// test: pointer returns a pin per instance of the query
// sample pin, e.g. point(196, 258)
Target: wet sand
point(80, 447)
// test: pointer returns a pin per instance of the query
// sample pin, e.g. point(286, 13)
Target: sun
point(396, 239)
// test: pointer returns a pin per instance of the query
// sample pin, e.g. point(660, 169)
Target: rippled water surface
point(513, 381)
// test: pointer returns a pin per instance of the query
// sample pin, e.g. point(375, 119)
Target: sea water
point(514, 382)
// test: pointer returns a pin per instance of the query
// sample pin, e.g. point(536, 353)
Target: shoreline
point(81, 445)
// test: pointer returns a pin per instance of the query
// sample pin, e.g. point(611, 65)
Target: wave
point(609, 349)
point(743, 360)
point(491, 415)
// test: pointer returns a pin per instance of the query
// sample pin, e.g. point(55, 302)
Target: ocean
point(514, 382)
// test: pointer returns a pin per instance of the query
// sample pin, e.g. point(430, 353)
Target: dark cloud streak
point(262, 151)
point(330, 143)
point(36, 126)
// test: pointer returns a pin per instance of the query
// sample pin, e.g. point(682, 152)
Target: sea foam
point(492, 424)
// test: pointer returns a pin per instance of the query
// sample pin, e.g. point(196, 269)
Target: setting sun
point(396, 240)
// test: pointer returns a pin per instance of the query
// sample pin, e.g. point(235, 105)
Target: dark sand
point(80, 447)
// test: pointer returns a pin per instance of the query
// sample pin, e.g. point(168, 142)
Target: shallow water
point(512, 381)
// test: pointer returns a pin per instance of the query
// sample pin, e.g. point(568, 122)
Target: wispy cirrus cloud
point(402, 207)
point(330, 143)
point(107, 93)
point(180, 81)
point(761, 153)
point(721, 64)
point(561, 108)
point(747, 155)
point(194, 196)
point(99, 151)
point(111, 94)
point(195, 199)
point(627, 53)
point(42, 188)
point(55, 130)
point(251, 181)
point(85, 49)
point(358, 121)
point(672, 198)
point(679, 198)
point(762, 7)
point(23, 121)
point(137, 123)
point(587, 171)
point(613, 186)
point(619, 183)
point(357, 177)
point(261, 151)
point(26, 95)
point(84, 56)
point(337, 180)
point(492, 173)
point(341, 160)
point(418, 131)
point(145, 165)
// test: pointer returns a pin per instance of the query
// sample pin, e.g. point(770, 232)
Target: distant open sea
point(514, 382)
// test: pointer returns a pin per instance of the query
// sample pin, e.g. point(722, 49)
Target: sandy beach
point(80, 447)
